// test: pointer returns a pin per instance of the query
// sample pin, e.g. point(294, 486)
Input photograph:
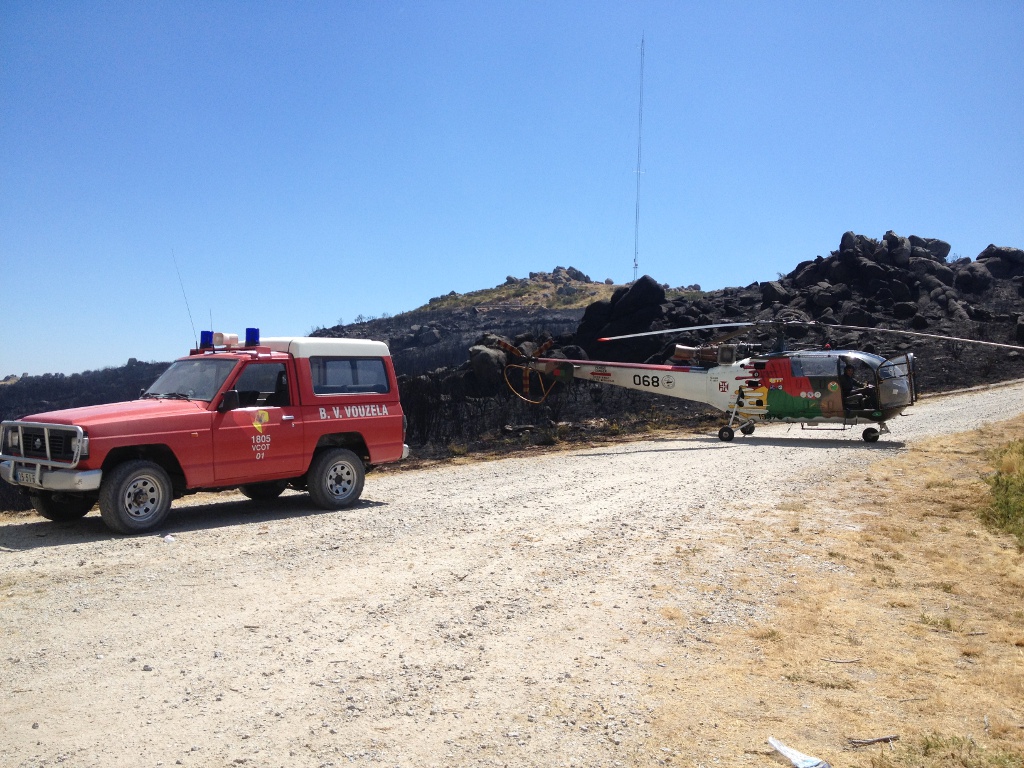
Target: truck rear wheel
point(335, 478)
point(135, 497)
point(60, 507)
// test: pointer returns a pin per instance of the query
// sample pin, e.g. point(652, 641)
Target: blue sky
point(310, 162)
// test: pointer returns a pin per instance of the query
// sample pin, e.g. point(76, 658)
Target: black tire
point(264, 491)
point(60, 507)
point(726, 434)
point(135, 497)
point(870, 435)
point(747, 429)
point(335, 478)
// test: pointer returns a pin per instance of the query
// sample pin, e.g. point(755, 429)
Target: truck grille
point(47, 445)
point(34, 445)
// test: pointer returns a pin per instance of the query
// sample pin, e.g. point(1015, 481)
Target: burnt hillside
point(450, 363)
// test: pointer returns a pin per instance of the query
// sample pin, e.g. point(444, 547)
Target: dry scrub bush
point(1006, 487)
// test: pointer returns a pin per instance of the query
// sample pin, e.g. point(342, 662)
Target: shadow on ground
point(35, 533)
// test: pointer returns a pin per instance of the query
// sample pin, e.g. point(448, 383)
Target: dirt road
point(513, 612)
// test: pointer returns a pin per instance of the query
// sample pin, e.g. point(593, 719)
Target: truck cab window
point(263, 384)
point(348, 375)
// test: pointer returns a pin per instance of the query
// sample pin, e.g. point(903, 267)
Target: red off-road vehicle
point(261, 416)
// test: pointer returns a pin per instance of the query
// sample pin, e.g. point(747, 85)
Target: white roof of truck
point(307, 346)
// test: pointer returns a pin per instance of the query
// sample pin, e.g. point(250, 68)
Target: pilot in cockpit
point(856, 394)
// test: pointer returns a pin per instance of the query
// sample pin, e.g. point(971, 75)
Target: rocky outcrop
point(893, 282)
point(1002, 262)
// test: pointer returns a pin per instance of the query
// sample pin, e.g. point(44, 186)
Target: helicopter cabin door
point(896, 386)
point(804, 386)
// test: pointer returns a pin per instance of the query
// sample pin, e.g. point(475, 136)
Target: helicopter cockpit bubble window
point(894, 369)
point(866, 358)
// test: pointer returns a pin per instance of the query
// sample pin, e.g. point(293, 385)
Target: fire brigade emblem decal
point(261, 418)
point(668, 382)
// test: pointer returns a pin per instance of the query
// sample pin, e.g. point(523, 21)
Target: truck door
point(261, 440)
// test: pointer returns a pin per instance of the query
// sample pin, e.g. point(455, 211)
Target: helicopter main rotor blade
point(686, 329)
point(918, 333)
point(813, 324)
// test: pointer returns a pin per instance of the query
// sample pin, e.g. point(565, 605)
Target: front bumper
point(29, 475)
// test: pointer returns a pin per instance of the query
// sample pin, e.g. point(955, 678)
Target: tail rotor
point(522, 377)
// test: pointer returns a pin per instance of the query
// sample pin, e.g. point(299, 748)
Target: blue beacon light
point(252, 337)
point(206, 339)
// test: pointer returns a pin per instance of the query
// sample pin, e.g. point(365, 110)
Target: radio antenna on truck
point(639, 140)
point(195, 340)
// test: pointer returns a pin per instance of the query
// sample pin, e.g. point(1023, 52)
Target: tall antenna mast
point(639, 145)
point(187, 308)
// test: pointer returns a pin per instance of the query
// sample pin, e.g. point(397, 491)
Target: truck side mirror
point(229, 402)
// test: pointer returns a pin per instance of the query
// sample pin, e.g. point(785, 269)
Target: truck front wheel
point(135, 497)
point(60, 507)
point(335, 478)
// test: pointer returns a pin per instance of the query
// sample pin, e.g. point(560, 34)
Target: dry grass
point(917, 630)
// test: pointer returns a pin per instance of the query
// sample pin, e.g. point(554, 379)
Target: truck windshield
point(191, 379)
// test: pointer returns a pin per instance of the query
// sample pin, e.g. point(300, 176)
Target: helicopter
point(820, 388)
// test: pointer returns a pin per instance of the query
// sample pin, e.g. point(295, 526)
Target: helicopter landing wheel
point(726, 434)
point(747, 429)
point(870, 435)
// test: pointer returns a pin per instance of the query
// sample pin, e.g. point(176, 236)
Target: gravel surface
point(511, 612)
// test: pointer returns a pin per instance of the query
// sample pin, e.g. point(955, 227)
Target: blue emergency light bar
point(211, 340)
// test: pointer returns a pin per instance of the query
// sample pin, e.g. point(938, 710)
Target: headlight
point(84, 442)
point(12, 436)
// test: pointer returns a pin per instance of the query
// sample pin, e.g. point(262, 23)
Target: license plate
point(26, 476)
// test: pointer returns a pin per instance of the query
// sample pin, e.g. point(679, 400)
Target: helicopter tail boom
point(683, 382)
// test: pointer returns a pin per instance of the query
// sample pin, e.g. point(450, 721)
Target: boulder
point(900, 290)
point(487, 365)
point(841, 272)
point(854, 315)
point(1002, 262)
point(1012, 255)
point(1002, 269)
point(957, 311)
point(930, 247)
point(635, 322)
point(641, 294)
point(427, 337)
point(595, 316)
point(828, 317)
point(773, 291)
point(573, 352)
point(899, 249)
point(973, 277)
point(903, 310)
point(575, 274)
point(809, 274)
point(923, 266)
point(867, 270)
point(825, 295)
